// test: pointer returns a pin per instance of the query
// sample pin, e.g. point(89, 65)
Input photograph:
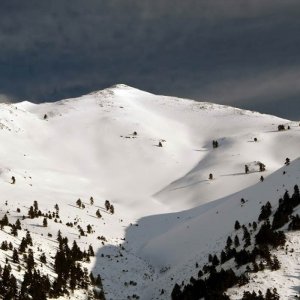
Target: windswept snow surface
point(169, 213)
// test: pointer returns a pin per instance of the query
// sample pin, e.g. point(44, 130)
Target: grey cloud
point(5, 99)
point(261, 87)
point(192, 48)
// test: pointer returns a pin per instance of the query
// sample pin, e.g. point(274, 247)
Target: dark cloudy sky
point(244, 53)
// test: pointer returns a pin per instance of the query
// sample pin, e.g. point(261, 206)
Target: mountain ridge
point(151, 157)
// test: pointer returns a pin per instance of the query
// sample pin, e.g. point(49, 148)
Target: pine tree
point(18, 224)
point(43, 258)
point(35, 206)
point(176, 293)
point(4, 221)
point(23, 245)
point(30, 260)
point(215, 260)
point(246, 237)
point(89, 228)
point(223, 257)
point(107, 205)
point(262, 167)
point(31, 213)
point(254, 225)
point(28, 238)
point(15, 256)
point(78, 202)
point(98, 214)
point(236, 241)
point(99, 281)
point(229, 242)
point(91, 251)
point(14, 230)
point(59, 237)
point(112, 209)
point(272, 296)
point(275, 264)
point(266, 211)
point(237, 225)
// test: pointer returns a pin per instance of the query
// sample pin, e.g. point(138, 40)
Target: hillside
point(105, 145)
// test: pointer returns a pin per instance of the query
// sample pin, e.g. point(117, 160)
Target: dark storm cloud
point(243, 53)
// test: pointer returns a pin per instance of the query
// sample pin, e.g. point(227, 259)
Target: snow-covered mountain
point(151, 157)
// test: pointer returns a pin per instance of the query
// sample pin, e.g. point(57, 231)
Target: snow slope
point(87, 147)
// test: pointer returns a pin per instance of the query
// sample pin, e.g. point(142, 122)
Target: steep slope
point(105, 145)
point(180, 240)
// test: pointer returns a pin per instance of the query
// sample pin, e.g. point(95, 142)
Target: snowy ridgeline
point(174, 173)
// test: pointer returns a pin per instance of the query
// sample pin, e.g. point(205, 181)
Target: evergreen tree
point(215, 260)
point(254, 225)
point(98, 214)
point(31, 213)
point(229, 242)
point(176, 293)
point(266, 211)
point(18, 224)
point(78, 202)
point(89, 229)
point(223, 257)
point(272, 296)
point(28, 238)
point(99, 281)
point(246, 169)
point(23, 245)
point(14, 230)
point(236, 241)
point(43, 258)
point(4, 246)
point(275, 264)
point(30, 260)
point(112, 209)
point(107, 205)
point(35, 206)
point(92, 278)
point(4, 221)
point(15, 256)
point(246, 237)
point(287, 161)
point(91, 251)
point(237, 225)
point(59, 237)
